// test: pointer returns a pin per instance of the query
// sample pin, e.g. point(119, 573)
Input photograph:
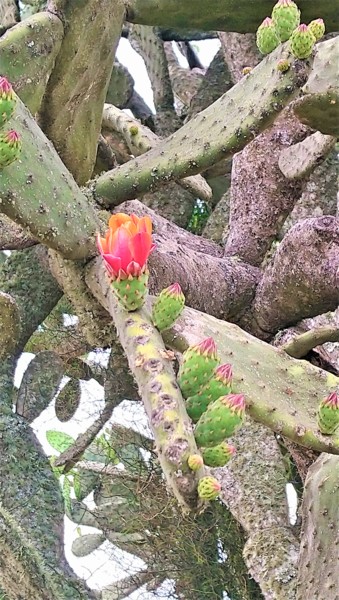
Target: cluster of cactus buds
point(168, 306)
point(10, 143)
point(328, 414)
point(218, 385)
point(283, 25)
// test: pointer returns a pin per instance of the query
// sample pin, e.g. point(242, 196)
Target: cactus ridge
point(267, 37)
point(216, 386)
point(168, 307)
point(197, 367)
point(208, 488)
point(131, 292)
point(219, 455)
point(302, 42)
point(286, 17)
point(221, 419)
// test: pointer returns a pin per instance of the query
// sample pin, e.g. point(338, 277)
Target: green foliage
point(58, 440)
point(201, 212)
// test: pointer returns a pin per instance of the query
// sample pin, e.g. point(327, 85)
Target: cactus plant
point(267, 37)
point(195, 462)
point(286, 17)
point(219, 455)
point(302, 42)
point(218, 385)
point(198, 363)
point(208, 488)
point(317, 28)
point(10, 147)
point(7, 100)
point(168, 307)
point(125, 250)
point(328, 414)
point(221, 419)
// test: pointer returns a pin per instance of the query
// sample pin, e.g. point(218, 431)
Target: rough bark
point(12, 236)
point(239, 51)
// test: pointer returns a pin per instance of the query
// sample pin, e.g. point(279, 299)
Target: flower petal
point(113, 264)
point(140, 246)
point(133, 269)
point(121, 247)
point(117, 220)
point(101, 244)
point(145, 224)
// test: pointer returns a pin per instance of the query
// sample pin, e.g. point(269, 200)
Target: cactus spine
point(317, 27)
point(7, 100)
point(302, 42)
point(286, 17)
point(221, 419)
point(10, 148)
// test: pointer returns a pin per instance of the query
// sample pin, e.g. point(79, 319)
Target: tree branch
point(302, 344)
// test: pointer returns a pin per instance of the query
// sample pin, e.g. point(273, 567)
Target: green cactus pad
point(302, 42)
point(328, 414)
point(7, 101)
point(168, 307)
point(10, 148)
point(267, 37)
point(221, 419)
point(286, 17)
point(218, 456)
point(197, 367)
point(217, 386)
point(208, 488)
point(317, 27)
point(131, 292)
point(195, 462)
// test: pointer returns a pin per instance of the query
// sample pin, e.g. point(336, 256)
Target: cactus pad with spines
point(302, 42)
point(7, 100)
point(195, 462)
point(317, 27)
point(286, 17)
point(131, 292)
point(197, 367)
point(208, 488)
point(267, 37)
point(218, 385)
point(168, 307)
point(328, 414)
point(219, 455)
point(10, 147)
point(221, 419)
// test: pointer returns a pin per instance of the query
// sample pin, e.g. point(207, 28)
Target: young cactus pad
point(317, 27)
point(328, 414)
point(221, 419)
point(208, 488)
point(267, 37)
point(7, 100)
point(197, 366)
point(286, 17)
point(218, 385)
point(195, 462)
point(218, 456)
point(131, 292)
point(168, 307)
point(10, 148)
point(302, 42)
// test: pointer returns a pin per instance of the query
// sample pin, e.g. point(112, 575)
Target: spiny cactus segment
point(317, 27)
point(168, 306)
point(285, 17)
point(328, 414)
point(267, 37)
point(10, 147)
point(208, 488)
point(218, 385)
point(221, 419)
point(302, 42)
point(7, 100)
point(219, 455)
point(195, 462)
point(197, 366)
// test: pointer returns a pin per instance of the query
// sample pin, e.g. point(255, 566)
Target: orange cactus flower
point(126, 245)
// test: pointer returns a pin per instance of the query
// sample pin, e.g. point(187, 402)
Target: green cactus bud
point(133, 129)
point(10, 148)
point(286, 17)
point(218, 456)
point(197, 366)
point(302, 42)
point(267, 37)
point(195, 462)
point(208, 488)
point(218, 385)
point(7, 100)
point(328, 414)
point(221, 419)
point(168, 307)
point(283, 65)
point(317, 27)
point(131, 292)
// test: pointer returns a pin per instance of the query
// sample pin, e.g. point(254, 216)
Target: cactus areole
point(125, 250)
